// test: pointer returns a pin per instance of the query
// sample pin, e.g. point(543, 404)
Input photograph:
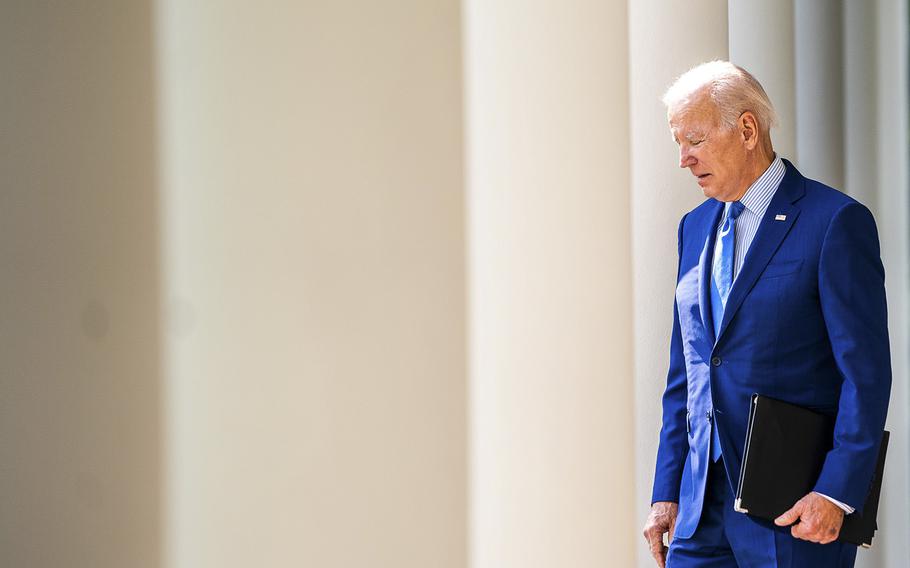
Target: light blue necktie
point(722, 267)
point(721, 282)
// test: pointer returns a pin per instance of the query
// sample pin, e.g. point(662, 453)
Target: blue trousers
point(727, 539)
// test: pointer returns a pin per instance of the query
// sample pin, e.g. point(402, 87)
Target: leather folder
point(785, 450)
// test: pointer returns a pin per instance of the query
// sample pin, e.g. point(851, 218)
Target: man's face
point(716, 155)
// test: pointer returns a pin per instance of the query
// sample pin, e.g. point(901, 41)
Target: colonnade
point(382, 284)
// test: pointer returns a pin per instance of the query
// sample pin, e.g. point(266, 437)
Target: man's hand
point(661, 520)
point(819, 519)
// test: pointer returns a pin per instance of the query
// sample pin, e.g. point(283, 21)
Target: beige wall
point(79, 328)
point(314, 276)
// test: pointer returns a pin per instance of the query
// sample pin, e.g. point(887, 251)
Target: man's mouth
point(702, 176)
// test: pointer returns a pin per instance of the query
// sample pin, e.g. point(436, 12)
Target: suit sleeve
point(851, 289)
point(674, 442)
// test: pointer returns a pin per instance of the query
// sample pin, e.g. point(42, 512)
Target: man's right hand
point(662, 519)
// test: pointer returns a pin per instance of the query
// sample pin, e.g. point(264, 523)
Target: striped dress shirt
point(756, 200)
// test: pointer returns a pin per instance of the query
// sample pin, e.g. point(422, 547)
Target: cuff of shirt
point(847, 508)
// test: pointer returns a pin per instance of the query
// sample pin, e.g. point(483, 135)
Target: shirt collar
point(758, 196)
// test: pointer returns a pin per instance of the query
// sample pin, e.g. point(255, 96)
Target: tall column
point(860, 102)
point(893, 198)
point(313, 273)
point(80, 373)
point(550, 284)
point(820, 90)
point(861, 168)
point(661, 194)
point(771, 62)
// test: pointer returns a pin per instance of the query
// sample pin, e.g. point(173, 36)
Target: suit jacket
point(805, 322)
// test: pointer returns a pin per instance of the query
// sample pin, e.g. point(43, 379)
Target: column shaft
point(820, 90)
point(761, 41)
point(860, 102)
point(550, 284)
point(80, 349)
point(313, 256)
point(661, 194)
point(893, 199)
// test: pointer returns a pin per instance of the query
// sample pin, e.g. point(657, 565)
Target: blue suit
point(805, 322)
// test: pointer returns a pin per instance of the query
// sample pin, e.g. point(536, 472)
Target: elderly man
point(780, 291)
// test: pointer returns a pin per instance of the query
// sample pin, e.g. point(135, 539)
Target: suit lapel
point(771, 233)
point(704, 270)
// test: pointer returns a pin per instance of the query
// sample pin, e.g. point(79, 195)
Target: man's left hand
point(819, 519)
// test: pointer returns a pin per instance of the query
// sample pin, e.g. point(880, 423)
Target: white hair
point(732, 89)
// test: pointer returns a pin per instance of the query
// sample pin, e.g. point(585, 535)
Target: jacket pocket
point(778, 269)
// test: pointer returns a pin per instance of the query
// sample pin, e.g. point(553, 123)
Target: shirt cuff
point(847, 508)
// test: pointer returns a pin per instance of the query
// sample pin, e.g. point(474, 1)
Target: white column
point(661, 194)
point(550, 284)
point(893, 200)
point(820, 90)
point(860, 102)
point(313, 271)
point(751, 24)
point(80, 372)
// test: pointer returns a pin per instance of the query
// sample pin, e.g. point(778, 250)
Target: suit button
point(715, 361)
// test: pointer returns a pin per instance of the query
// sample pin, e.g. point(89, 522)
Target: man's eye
point(697, 142)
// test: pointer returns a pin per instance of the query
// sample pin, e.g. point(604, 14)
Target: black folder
point(784, 453)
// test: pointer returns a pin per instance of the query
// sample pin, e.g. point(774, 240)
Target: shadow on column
point(80, 371)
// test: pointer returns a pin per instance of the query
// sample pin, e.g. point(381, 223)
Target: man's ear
point(748, 127)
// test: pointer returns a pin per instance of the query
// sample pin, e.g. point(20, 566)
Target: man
point(780, 291)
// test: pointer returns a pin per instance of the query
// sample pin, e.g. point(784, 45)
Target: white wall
point(313, 275)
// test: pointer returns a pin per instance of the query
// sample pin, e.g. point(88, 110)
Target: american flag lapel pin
point(780, 217)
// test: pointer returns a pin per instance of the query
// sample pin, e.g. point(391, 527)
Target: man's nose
point(685, 158)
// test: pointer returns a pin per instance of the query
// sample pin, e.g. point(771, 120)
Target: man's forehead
point(700, 114)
